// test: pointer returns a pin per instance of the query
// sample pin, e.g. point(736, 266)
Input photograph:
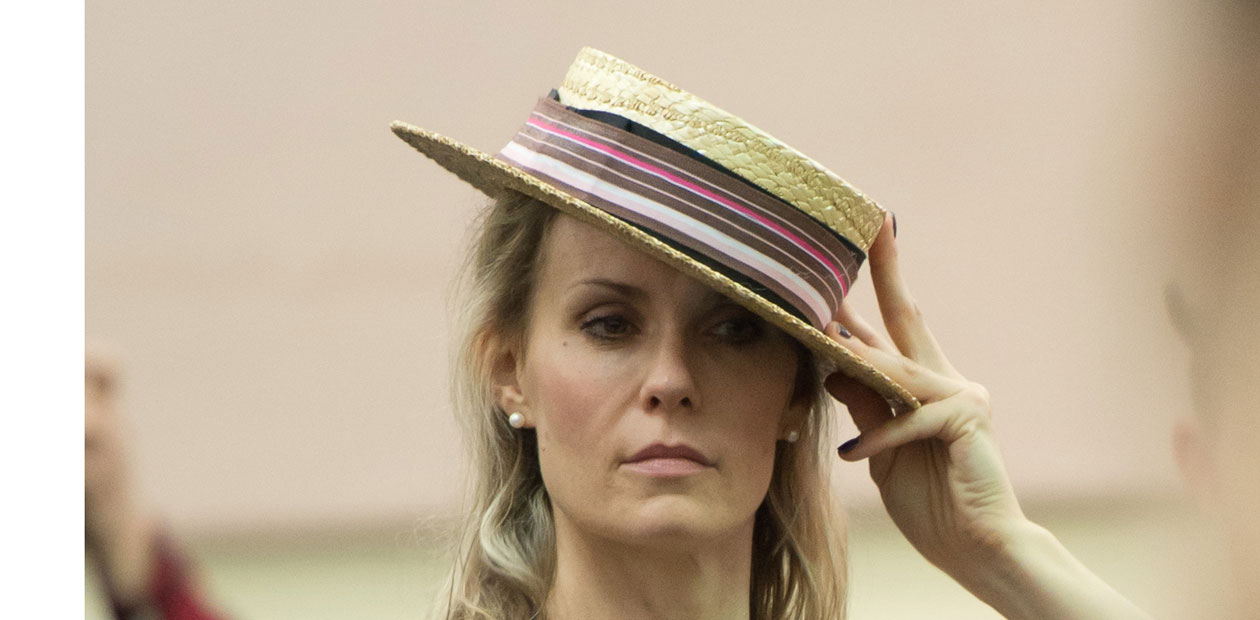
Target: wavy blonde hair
point(506, 558)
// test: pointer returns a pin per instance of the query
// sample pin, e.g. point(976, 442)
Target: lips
point(662, 451)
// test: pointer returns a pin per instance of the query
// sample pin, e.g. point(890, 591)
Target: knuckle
point(977, 397)
point(980, 391)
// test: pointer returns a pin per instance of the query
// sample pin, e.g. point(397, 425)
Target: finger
point(901, 314)
point(867, 408)
point(947, 420)
point(924, 383)
point(849, 317)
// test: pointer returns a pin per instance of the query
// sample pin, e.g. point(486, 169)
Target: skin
point(118, 533)
point(624, 352)
point(604, 373)
point(1232, 462)
point(1218, 447)
point(1235, 453)
point(939, 470)
point(1219, 458)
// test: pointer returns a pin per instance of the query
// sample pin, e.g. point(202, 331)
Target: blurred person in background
point(143, 572)
point(1218, 448)
point(1217, 311)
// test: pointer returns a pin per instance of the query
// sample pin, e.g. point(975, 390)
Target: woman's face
point(626, 356)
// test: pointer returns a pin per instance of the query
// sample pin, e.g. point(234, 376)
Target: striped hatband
point(749, 235)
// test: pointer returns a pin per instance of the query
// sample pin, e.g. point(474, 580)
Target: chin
point(676, 520)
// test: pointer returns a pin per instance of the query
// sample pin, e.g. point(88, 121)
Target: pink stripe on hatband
point(696, 201)
point(835, 271)
point(828, 253)
point(682, 223)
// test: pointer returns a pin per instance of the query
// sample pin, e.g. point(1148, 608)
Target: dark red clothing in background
point(172, 595)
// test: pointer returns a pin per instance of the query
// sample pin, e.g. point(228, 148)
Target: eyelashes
point(608, 328)
point(743, 328)
point(736, 327)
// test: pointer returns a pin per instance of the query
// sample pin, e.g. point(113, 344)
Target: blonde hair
point(506, 558)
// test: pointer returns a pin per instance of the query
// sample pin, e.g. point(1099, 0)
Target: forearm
point(1033, 576)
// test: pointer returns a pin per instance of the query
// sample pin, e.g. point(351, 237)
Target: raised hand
point(939, 470)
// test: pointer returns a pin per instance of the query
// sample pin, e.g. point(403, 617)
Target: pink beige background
point(272, 264)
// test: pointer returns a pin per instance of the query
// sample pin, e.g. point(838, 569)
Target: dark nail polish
point(894, 224)
point(848, 445)
point(843, 332)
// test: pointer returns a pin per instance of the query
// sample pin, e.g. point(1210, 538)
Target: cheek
point(569, 398)
point(561, 387)
point(751, 407)
point(575, 400)
point(756, 397)
point(759, 435)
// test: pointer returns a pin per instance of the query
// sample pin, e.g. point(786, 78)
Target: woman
point(654, 335)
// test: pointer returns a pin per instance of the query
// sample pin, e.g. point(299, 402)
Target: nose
point(670, 381)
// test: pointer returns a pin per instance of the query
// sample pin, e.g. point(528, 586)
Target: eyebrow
point(637, 293)
point(623, 288)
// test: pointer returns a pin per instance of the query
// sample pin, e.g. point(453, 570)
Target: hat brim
point(493, 176)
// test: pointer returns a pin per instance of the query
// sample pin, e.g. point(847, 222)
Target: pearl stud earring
point(793, 436)
point(516, 420)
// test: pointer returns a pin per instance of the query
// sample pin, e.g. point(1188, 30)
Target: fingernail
point(894, 224)
point(844, 333)
point(848, 445)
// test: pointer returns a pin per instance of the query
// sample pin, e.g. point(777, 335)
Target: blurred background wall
point(273, 265)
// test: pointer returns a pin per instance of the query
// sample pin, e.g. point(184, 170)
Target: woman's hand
point(939, 470)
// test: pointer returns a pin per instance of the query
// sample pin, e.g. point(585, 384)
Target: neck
point(599, 579)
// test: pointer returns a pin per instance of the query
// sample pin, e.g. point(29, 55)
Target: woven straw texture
point(600, 81)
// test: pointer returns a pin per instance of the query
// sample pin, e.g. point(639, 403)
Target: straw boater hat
point(694, 186)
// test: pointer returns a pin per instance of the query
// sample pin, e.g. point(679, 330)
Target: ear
point(803, 390)
point(505, 372)
point(795, 415)
point(1194, 459)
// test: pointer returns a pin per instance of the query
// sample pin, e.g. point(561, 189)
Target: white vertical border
point(42, 307)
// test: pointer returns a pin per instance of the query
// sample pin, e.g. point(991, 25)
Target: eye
point(739, 328)
point(608, 327)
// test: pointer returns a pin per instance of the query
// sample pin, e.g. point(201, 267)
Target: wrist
point(1005, 574)
point(989, 566)
point(1029, 574)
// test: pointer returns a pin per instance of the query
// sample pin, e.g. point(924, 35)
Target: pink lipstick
point(662, 461)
